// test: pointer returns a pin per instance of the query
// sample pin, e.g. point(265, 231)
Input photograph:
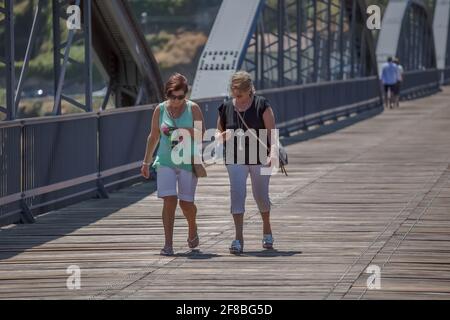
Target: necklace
point(171, 113)
point(240, 133)
point(248, 105)
point(239, 121)
point(242, 109)
point(174, 139)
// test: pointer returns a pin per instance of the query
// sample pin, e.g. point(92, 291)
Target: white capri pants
point(238, 174)
point(167, 179)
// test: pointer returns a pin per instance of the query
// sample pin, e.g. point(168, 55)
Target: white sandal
point(267, 241)
point(166, 251)
point(236, 247)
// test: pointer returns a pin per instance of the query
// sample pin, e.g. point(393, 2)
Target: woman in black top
point(245, 124)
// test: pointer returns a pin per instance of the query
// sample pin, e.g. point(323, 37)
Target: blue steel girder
point(416, 47)
point(7, 110)
point(61, 59)
point(441, 30)
point(304, 41)
point(407, 33)
point(107, 32)
point(447, 52)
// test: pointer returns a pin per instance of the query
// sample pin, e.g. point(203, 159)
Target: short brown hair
point(176, 82)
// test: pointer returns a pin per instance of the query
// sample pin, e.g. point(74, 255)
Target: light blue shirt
point(390, 73)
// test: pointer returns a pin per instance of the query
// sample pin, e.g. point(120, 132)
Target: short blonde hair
point(242, 81)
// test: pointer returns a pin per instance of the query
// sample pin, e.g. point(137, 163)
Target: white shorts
point(166, 181)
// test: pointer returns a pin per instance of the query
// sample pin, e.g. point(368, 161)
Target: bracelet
point(146, 163)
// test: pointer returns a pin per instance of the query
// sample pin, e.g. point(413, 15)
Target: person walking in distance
point(399, 82)
point(389, 78)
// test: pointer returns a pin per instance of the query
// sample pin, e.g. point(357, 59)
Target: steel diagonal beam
point(407, 30)
point(30, 45)
point(10, 59)
point(62, 73)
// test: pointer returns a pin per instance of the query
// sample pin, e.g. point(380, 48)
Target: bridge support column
point(101, 190)
point(9, 59)
point(441, 31)
point(26, 217)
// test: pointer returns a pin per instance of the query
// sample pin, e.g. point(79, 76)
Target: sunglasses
point(173, 97)
point(240, 95)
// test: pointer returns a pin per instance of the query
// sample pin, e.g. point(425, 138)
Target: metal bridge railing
point(298, 107)
point(445, 76)
point(51, 162)
point(10, 169)
point(419, 83)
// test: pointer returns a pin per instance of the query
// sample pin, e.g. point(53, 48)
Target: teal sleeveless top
point(170, 137)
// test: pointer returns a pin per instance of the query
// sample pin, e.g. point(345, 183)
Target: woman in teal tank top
point(170, 137)
point(173, 124)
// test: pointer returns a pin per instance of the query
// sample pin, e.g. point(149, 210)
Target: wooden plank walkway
point(374, 193)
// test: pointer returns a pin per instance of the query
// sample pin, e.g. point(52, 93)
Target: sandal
point(194, 242)
point(236, 247)
point(166, 251)
point(267, 241)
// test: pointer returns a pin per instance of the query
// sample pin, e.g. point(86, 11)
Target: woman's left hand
point(269, 161)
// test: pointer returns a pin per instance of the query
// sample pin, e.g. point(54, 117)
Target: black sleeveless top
point(247, 149)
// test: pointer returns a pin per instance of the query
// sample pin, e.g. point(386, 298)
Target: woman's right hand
point(145, 171)
point(224, 136)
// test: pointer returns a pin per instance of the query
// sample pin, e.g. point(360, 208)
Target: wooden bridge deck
point(374, 193)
